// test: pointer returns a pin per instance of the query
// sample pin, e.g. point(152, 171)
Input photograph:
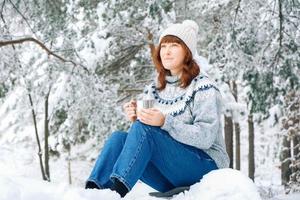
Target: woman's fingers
point(151, 116)
point(133, 102)
point(144, 121)
point(131, 113)
point(148, 112)
point(130, 110)
point(154, 110)
point(129, 104)
point(145, 115)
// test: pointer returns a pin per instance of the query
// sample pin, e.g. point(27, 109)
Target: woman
point(179, 140)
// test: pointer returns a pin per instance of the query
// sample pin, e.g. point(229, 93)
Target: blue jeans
point(150, 154)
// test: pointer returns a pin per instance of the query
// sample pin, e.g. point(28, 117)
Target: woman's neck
point(176, 73)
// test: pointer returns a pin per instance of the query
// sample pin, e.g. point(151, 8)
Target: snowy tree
point(131, 25)
point(291, 128)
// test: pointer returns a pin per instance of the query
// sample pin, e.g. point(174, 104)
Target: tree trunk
point(294, 166)
point(296, 146)
point(46, 147)
point(237, 132)
point(285, 162)
point(37, 138)
point(69, 166)
point(251, 169)
point(237, 146)
point(229, 138)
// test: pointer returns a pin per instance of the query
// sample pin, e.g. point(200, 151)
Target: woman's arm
point(206, 124)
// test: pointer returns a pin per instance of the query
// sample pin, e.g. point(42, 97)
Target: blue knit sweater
point(193, 114)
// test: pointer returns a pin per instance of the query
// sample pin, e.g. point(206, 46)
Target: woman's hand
point(130, 110)
point(151, 116)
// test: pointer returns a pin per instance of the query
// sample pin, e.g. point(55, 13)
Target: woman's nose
point(168, 50)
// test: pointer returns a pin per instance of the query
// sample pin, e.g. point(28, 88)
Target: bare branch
point(276, 58)
point(6, 27)
point(2, 7)
point(234, 21)
point(123, 98)
point(30, 39)
point(236, 12)
point(132, 90)
point(14, 6)
point(278, 53)
point(274, 8)
point(280, 23)
point(144, 81)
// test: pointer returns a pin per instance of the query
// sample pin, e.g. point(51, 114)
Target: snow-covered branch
point(43, 46)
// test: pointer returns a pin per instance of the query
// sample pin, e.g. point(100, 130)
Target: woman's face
point(172, 56)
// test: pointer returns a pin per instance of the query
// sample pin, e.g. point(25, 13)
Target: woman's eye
point(169, 45)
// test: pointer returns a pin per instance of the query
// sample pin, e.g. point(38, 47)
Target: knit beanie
point(187, 31)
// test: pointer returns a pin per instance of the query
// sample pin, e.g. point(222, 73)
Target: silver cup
point(146, 103)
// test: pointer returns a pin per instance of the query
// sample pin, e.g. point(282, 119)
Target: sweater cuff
point(167, 126)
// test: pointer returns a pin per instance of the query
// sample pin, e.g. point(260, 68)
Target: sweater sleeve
point(203, 131)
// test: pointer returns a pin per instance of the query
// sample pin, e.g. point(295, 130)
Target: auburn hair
point(190, 70)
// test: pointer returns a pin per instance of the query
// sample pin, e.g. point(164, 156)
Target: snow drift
point(220, 184)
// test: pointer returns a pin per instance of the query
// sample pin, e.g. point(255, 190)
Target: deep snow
point(220, 184)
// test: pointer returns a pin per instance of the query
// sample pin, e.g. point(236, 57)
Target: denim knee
point(118, 136)
point(141, 126)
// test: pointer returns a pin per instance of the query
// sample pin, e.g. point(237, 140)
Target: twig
point(131, 90)
point(2, 7)
point(123, 98)
point(280, 23)
point(30, 39)
point(236, 12)
point(234, 20)
point(143, 81)
point(14, 6)
point(277, 55)
point(274, 7)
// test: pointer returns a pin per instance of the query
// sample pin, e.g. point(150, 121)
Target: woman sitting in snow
point(179, 140)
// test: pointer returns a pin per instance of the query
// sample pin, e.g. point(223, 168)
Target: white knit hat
point(187, 31)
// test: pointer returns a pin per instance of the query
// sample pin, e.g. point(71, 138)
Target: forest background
point(67, 66)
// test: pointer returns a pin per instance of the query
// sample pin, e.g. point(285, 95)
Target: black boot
point(119, 187)
point(91, 185)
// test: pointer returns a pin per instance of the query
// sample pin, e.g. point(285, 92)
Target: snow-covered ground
point(222, 184)
point(218, 185)
point(20, 179)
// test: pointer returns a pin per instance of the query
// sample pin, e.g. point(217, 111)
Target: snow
point(225, 184)
point(295, 196)
point(217, 185)
point(25, 189)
